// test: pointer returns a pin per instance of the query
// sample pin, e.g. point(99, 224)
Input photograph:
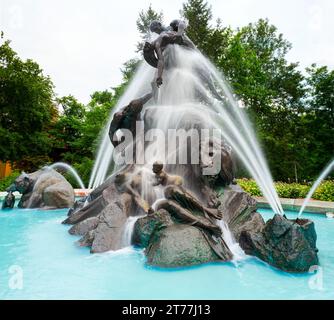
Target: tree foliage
point(26, 107)
point(198, 14)
point(143, 23)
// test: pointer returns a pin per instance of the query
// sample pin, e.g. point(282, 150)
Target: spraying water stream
point(316, 184)
point(67, 167)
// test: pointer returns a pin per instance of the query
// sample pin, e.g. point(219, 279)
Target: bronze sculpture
point(130, 183)
point(153, 52)
point(9, 200)
point(127, 117)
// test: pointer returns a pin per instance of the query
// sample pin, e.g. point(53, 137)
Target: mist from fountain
point(316, 184)
point(67, 167)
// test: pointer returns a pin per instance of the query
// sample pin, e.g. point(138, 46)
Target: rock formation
point(45, 189)
point(289, 245)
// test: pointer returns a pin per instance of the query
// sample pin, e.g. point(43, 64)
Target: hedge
point(325, 192)
point(6, 182)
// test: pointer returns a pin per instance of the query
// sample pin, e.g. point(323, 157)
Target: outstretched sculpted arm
point(145, 98)
point(160, 67)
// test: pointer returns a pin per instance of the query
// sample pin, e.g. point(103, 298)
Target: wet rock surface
point(289, 245)
point(180, 245)
point(85, 226)
point(171, 244)
point(148, 227)
point(239, 211)
point(101, 222)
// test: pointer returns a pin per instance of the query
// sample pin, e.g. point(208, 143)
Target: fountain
point(164, 157)
point(44, 189)
point(67, 167)
point(316, 184)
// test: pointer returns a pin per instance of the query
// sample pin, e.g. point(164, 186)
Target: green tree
point(272, 90)
point(198, 13)
point(66, 130)
point(26, 108)
point(143, 23)
point(256, 65)
point(317, 121)
point(128, 70)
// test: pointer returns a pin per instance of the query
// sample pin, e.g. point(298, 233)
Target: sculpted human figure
point(153, 52)
point(164, 179)
point(179, 200)
point(188, 209)
point(130, 183)
point(127, 117)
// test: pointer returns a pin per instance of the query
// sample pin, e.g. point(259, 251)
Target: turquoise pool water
point(36, 247)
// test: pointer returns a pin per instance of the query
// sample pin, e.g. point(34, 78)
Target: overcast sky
point(82, 44)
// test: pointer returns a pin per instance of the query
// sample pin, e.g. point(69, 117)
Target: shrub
point(250, 186)
point(325, 192)
point(291, 190)
point(6, 182)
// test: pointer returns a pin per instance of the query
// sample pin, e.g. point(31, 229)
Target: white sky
point(82, 44)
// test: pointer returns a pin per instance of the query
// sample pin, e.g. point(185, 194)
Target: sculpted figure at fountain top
point(153, 52)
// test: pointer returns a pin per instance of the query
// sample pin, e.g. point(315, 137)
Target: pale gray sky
point(82, 44)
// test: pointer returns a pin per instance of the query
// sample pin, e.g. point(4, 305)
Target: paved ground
point(314, 206)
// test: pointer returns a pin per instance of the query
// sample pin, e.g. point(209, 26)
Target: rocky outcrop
point(101, 222)
point(180, 245)
point(282, 243)
point(171, 241)
point(81, 228)
point(108, 234)
point(289, 245)
point(239, 211)
point(45, 189)
point(149, 226)
point(171, 244)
